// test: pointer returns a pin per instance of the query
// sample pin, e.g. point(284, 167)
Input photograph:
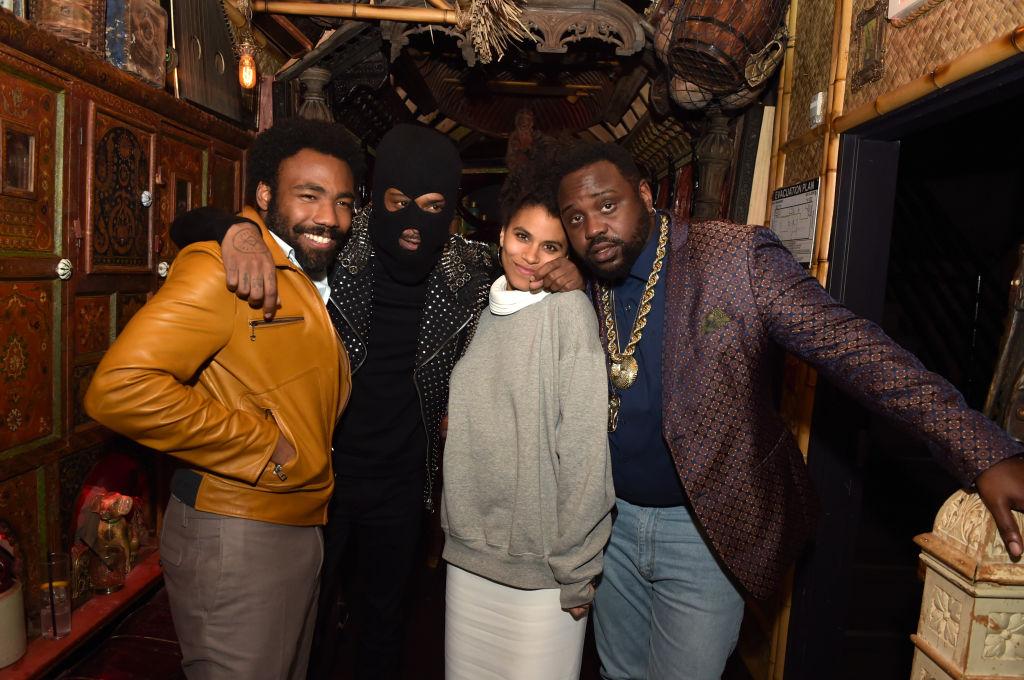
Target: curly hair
point(530, 183)
point(579, 154)
point(287, 138)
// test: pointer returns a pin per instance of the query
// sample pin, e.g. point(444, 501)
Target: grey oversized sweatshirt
point(527, 476)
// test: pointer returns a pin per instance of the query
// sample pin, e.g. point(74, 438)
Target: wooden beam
point(343, 34)
point(419, 15)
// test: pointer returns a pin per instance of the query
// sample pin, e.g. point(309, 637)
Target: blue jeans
point(664, 608)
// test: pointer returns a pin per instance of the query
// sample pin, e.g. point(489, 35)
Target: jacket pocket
point(263, 324)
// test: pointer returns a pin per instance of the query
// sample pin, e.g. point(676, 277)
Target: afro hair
point(287, 138)
point(530, 183)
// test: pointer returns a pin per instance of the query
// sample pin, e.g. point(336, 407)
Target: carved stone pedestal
point(972, 611)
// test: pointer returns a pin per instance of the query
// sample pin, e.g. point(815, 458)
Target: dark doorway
point(930, 211)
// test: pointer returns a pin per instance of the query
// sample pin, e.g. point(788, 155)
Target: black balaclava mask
point(416, 161)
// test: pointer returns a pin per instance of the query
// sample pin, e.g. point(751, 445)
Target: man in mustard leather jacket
point(249, 405)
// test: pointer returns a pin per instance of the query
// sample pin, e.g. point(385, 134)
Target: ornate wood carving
point(92, 324)
point(19, 505)
point(181, 171)
point(554, 23)
point(127, 305)
point(56, 53)
point(81, 376)
point(119, 222)
point(225, 183)
point(558, 24)
point(26, 362)
point(28, 111)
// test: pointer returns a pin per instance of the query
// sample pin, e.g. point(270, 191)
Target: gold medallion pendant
point(624, 370)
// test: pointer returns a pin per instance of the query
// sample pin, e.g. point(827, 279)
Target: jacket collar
point(279, 256)
point(679, 230)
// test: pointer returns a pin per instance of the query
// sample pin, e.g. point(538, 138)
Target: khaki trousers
point(243, 593)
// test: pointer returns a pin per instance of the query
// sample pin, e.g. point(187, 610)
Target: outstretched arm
point(859, 357)
point(248, 266)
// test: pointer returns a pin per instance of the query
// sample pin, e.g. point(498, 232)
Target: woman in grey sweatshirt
point(527, 476)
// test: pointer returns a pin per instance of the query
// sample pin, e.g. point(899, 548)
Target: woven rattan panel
point(950, 29)
point(813, 60)
point(803, 163)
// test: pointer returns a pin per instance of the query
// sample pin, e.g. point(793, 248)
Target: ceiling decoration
point(553, 24)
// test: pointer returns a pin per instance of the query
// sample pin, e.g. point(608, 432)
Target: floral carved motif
point(92, 315)
point(944, 616)
point(26, 362)
point(14, 358)
point(1005, 638)
point(963, 519)
point(120, 221)
point(26, 211)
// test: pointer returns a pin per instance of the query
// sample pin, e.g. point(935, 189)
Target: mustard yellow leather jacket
point(200, 375)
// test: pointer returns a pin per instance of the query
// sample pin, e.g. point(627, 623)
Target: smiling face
point(432, 204)
point(311, 207)
point(607, 217)
point(532, 237)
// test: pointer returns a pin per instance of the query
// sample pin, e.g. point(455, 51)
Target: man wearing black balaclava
point(405, 297)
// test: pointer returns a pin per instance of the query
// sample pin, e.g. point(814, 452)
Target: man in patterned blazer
point(714, 499)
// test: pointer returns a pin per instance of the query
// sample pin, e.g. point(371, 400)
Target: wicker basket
point(82, 22)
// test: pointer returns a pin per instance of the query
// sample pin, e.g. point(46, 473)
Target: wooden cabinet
point(94, 167)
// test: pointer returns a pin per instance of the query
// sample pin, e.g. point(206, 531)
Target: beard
point(630, 251)
point(316, 263)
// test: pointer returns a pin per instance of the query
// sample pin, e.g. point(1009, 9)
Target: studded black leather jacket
point(457, 291)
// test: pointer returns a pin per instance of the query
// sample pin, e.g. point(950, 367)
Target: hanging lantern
point(246, 48)
point(247, 65)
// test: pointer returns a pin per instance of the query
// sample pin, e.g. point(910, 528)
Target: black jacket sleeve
point(203, 224)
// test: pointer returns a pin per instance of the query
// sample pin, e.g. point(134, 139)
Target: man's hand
point(1001, 487)
point(557, 276)
point(284, 453)
point(250, 268)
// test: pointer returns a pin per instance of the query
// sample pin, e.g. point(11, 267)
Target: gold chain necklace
point(623, 365)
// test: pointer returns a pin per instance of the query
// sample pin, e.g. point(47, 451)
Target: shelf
point(43, 654)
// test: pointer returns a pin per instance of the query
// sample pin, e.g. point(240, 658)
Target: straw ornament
point(492, 26)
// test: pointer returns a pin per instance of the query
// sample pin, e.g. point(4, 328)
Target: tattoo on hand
point(245, 279)
point(247, 241)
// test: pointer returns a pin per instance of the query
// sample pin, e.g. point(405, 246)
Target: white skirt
point(495, 632)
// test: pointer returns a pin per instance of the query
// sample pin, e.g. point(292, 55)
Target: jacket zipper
point(351, 328)
point(429, 500)
point(278, 468)
point(282, 321)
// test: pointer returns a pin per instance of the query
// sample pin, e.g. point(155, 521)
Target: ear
point(501, 237)
point(644, 189)
point(263, 195)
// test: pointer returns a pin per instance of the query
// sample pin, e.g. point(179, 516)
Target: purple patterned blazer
point(731, 291)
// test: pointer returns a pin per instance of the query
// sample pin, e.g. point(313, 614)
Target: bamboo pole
point(419, 15)
point(777, 167)
point(967, 64)
point(441, 4)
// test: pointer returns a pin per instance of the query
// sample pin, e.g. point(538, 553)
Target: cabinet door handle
point(146, 198)
point(64, 269)
point(162, 269)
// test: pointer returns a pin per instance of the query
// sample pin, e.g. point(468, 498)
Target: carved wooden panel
point(225, 183)
point(180, 165)
point(120, 173)
point(19, 505)
point(127, 305)
point(26, 362)
point(81, 376)
point(73, 470)
point(28, 158)
point(92, 324)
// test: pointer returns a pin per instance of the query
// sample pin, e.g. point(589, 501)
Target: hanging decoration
point(492, 25)
point(246, 48)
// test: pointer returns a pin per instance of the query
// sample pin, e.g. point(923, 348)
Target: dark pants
point(370, 539)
